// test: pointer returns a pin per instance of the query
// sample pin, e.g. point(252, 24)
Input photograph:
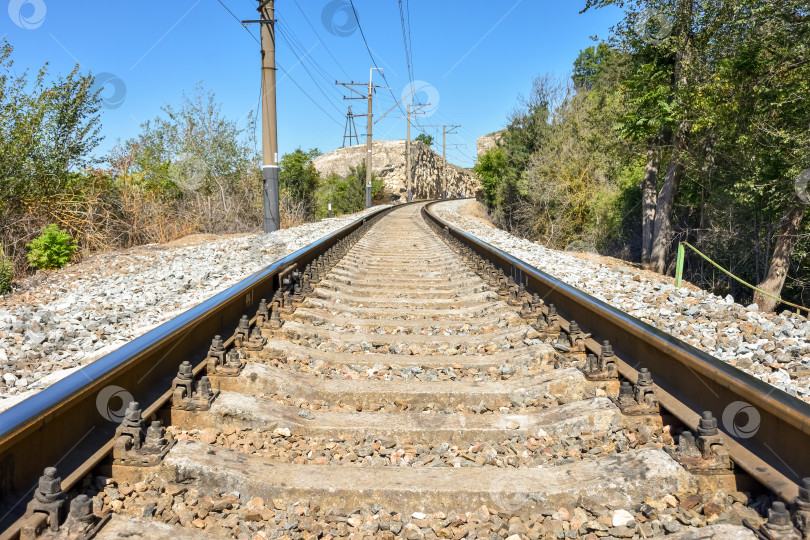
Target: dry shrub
point(147, 219)
point(292, 212)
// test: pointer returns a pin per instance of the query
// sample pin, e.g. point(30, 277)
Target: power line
point(363, 35)
point(321, 40)
point(221, 3)
point(283, 35)
point(305, 93)
point(405, 36)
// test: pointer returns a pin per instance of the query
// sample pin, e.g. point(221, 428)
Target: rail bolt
point(80, 516)
point(48, 497)
point(779, 525)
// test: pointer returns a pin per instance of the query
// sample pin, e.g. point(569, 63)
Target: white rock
point(130, 292)
point(418, 515)
point(630, 293)
point(621, 517)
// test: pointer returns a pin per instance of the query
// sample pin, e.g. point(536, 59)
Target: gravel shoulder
point(774, 348)
point(60, 321)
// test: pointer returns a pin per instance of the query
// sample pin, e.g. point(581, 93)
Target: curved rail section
point(65, 423)
point(689, 381)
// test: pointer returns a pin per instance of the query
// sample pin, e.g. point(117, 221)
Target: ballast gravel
point(774, 348)
point(71, 317)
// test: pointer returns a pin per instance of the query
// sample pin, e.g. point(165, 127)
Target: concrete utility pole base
point(444, 194)
point(368, 196)
point(270, 198)
point(410, 195)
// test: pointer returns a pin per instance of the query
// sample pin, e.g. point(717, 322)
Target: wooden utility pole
point(369, 124)
point(444, 157)
point(269, 121)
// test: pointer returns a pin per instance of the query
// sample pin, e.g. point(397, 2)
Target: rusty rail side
point(692, 381)
point(65, 424)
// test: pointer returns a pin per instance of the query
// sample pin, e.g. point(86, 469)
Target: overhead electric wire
point(373, 61)
point(306, 55)
point(315, 31)
point(281, 68)
point(239, 21)
point(310, 97)
point(405, 40)
point(283, 35)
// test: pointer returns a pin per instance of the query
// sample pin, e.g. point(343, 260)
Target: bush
point(6, 273)
point(52, 249)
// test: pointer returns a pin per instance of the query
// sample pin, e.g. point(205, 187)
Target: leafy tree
point(590, 64)
point(425, 139)
point(298, 178)
point(200, 164)
point(48, 130)
point(489, 168)
point(347, 195)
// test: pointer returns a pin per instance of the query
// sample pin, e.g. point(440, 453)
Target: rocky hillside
point(487, 142)
point(389, 164)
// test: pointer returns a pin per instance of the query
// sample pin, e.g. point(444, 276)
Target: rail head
point(67, 423)
point(698, 381)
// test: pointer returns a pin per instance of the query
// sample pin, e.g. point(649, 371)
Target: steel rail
point(69, 424)
point(689, 381)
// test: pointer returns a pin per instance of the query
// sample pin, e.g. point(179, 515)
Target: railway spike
point(136, 446)
point(204, 390)
point(49, 497)
point(155, 438)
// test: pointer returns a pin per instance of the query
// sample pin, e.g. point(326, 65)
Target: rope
point(769, 295)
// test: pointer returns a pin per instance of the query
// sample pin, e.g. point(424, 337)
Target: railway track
point(408, 382)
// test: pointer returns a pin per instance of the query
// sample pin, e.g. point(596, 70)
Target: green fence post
point(679, 266)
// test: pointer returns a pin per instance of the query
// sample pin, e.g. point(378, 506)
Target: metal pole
point(444, 157)
point(408, 155)
point(368, 138)
point(269, 121)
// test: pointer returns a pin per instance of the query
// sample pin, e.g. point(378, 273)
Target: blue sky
point(475, 58)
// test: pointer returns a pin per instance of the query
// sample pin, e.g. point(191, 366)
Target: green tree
point(424, 138)
point(48, 130)
point(197, 160)
point(347, 195)
point(298, 178)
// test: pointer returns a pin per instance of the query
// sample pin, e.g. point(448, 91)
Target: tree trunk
point(649, 188)
point(662, 229)
point(785, 242)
